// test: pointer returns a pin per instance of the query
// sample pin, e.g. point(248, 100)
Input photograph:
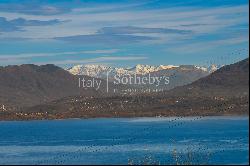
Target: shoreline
point(220, 117)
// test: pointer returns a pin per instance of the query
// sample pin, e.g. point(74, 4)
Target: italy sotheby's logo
point(130, 80)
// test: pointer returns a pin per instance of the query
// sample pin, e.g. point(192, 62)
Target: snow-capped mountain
point(100, 71)
point(178, 75)
point(145, 69)
point(97, 71)
point(213, 68)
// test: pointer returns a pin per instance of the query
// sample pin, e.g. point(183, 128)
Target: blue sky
point(123, 33)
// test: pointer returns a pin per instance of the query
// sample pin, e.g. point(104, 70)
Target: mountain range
point(100, 71)
point(223, 92)
point(178, 75)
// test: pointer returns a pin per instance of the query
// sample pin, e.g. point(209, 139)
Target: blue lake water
point(211, 140)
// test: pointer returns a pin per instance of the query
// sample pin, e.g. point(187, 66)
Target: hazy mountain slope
point(28, 85)
point(182, 75)
point(230, 80)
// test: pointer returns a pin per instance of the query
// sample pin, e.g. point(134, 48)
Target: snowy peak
point(162, 67)
point(202, 68)
point(213, 68)
point(89, 70)
point(75, 70)
point(145, 69)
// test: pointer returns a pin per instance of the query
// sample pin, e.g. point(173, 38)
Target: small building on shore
point(2, 108)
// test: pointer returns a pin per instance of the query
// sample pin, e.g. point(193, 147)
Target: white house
point(3, 108)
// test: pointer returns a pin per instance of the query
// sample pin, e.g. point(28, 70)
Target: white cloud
point(33, 55)
point(102, 59)
point(102, 51)
point(85, 23)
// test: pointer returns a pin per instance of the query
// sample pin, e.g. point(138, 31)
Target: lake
point(193, 140)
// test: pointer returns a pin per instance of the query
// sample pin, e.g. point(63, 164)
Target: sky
point(123, 33)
